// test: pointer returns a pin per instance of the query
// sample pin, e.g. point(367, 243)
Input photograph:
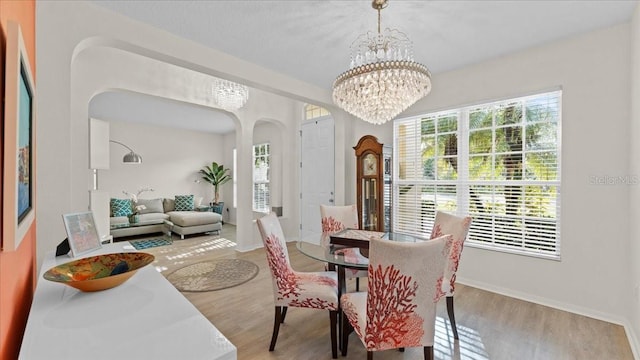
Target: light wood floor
point(490, 326)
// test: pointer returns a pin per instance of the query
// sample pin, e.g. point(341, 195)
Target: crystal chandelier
point(229, 95)
point(383, 80)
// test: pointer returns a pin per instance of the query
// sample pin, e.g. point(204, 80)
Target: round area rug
point(213, 275)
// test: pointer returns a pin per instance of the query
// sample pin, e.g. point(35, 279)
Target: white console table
point(144, 318)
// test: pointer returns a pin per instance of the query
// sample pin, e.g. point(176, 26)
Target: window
point(314, 111)
point(261, 163)
point(498, 162)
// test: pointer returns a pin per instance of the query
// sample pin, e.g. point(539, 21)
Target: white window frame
point(543, 241)
point(264, 206)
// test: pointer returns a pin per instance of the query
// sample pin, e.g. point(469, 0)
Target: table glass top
point(139, 223)
point(347, 256)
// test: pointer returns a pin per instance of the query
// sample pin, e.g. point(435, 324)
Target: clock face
point(370, 164)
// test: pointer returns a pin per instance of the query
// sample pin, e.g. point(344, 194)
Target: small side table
point(217, 208)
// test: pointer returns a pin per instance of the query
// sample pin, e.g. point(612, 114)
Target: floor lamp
point(131, 157)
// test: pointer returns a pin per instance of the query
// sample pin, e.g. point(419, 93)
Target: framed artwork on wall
point(81, 232)
point(19, 200)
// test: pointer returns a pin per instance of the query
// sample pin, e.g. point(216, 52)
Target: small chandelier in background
point(229, 95)
point(383, 80)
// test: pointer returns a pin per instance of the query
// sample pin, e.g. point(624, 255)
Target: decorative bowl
point(99, 272)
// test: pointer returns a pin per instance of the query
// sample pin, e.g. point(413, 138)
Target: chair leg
point(276, 327)
point(401, 349)
point(357, 284)
point(284, 313)
point(452, 317)
point(333, 317)
point(369, 355)
point(346, 329)
point(428, 353)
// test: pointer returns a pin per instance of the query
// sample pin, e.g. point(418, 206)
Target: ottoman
point(193, 222)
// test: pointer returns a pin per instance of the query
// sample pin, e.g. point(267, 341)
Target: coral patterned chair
point(399, 308)
point(458, 227)
point(337, 218)
point(313, 290)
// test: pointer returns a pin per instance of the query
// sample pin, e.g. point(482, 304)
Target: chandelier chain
point(382, 80)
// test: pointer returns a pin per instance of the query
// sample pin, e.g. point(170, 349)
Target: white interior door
point(316, 175)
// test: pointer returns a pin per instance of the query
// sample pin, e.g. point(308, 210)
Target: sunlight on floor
point(180, 255)
point(469, 346)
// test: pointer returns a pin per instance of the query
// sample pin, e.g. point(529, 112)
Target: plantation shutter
point(261, 167)
point(498, 162)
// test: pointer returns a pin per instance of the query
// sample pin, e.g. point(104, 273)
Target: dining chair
point(313, 290)
point(399, 308)
point(458, 227)
point(338, 218)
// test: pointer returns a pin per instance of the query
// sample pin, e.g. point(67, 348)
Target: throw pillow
point(151, 206)
point(121, 207)
point(184, 202)
point(168, 204)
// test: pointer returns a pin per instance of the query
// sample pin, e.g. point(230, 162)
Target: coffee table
point(165, 226)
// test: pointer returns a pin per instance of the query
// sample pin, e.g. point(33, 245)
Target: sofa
point(180, 215)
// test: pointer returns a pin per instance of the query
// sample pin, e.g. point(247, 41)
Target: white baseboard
point(633, 340)
point(611, 318)
point(250, 248)
point(632, 337)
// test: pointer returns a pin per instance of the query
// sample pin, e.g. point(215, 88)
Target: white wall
point(276, 120)
point(593, 71)
point(633, 254)
point(171, 159)
point(84, 50)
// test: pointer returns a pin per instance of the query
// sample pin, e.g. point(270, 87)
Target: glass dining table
point(340, 257)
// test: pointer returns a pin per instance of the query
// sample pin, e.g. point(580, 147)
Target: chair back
point(336, 218)
point(282, 274)
point(458, 227)
point(404, 287)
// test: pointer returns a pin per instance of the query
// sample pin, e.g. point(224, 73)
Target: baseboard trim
point(250, 248)
point(633, 340)
point(545, 301)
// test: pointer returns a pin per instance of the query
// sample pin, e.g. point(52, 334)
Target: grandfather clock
point(370, 183)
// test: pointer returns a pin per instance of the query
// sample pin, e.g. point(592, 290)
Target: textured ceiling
point(309, 40)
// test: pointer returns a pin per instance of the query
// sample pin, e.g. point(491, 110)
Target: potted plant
point(216, 175)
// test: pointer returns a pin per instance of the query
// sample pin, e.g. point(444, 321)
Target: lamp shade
point(132, 158)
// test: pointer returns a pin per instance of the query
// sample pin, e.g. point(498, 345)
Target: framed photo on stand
point(81, 232)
